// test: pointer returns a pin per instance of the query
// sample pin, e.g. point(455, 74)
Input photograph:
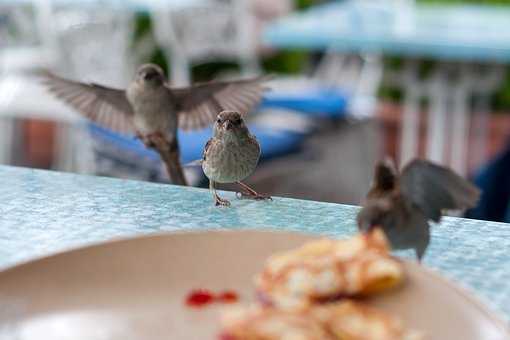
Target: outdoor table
point(470, 43)
point(43, 212)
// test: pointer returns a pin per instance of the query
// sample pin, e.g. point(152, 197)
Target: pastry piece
point(349, 320)
point(270, 323)
point(346, 320)
point(326, 270)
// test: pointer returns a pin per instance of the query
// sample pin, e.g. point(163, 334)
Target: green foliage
point(143, 25)
point(290, 62)
point(501, 100)
point(301, 4)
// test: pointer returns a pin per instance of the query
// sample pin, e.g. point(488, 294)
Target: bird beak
point(228, 125)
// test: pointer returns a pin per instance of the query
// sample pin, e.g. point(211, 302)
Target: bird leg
point(218, 201)
point(169, 153)
point(247, 192)
point(158, 140)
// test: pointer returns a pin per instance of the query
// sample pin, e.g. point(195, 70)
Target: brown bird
point(152, 110)
point(403, 204)
point(231, 155)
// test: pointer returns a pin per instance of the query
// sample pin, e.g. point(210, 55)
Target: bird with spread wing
point(153, 110)
point(402, 204)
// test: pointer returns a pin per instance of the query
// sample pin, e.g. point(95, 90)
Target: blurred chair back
point(95, 43)
point(25, 40)
point(207, 30)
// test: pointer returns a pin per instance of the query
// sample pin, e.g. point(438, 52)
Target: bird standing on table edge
point(403, 203)
point(152, 110)
point(231, 155)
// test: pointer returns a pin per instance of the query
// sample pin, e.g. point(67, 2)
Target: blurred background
point(356, 80)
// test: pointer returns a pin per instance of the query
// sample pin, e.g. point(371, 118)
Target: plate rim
point(132, 237)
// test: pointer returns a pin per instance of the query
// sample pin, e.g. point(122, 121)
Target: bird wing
point(106, 106)
point(433, 188)
point(198, 105)
point(206, 147)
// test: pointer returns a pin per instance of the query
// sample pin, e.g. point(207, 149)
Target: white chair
point(448, 90)
point(94, 45)
point(25, 46)
point(357, 76)
point(205, 31)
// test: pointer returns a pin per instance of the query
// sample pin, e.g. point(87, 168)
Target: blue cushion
point(323, 103)
point(273, 142)
point(122, 143)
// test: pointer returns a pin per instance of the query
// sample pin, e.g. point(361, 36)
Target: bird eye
point(237, 121)
point(219, 121)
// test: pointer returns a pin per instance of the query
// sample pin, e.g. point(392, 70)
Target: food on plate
point(326, 270)
point(345, 320)
point(310, 293)
point(254, 323)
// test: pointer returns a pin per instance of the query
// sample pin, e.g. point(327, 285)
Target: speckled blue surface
point(44, 212)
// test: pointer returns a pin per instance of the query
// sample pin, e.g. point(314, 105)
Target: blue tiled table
point(458, 32)
point(45, 212)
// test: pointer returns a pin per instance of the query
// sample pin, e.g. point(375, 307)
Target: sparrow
point(230, 156)
point(152, 110)
point(402, 204)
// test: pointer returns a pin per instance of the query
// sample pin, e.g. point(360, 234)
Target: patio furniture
point(207, 30)
point(340, 86)
point(470, 44)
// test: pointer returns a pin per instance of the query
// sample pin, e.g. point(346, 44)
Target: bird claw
point(218, 201)
point(254, 196)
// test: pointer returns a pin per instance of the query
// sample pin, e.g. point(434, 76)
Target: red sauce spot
point(199, 298)
point(228, 297)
